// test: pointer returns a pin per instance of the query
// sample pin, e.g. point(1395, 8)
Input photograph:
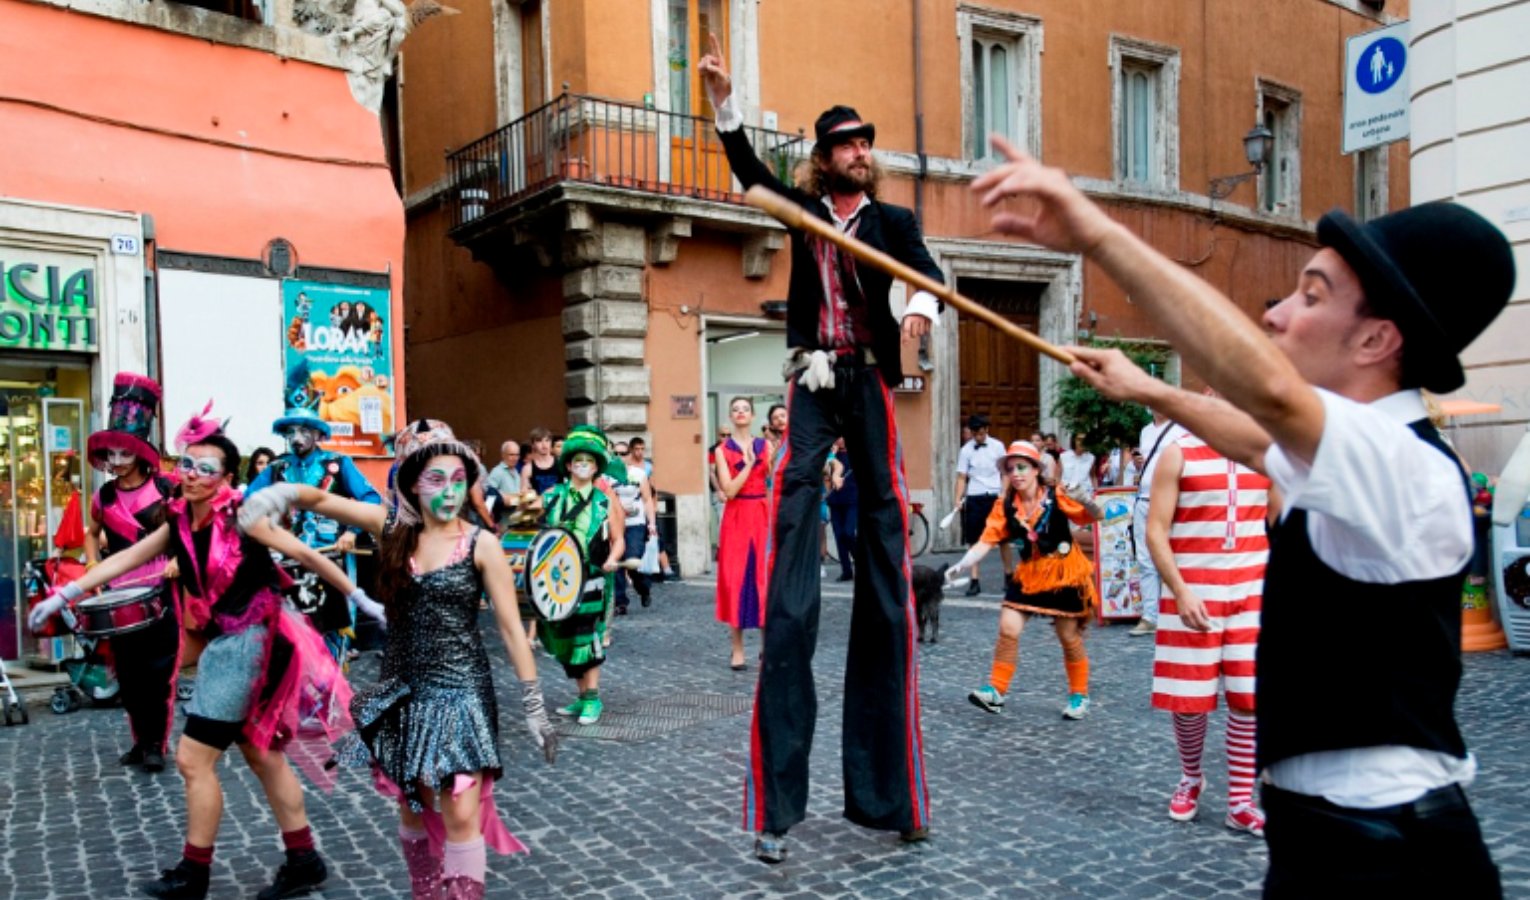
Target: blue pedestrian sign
point(1376, 88)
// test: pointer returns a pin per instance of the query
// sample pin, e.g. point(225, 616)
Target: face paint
point(118, 458)
point(443, 489)
point(301, 439)
point(200, 467)
point(583, 471)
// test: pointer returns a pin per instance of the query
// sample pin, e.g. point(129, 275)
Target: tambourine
point(555, 573)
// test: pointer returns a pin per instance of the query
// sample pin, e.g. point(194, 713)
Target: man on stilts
point(845, 359)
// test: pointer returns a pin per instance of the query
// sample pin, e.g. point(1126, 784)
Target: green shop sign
point(47, 301)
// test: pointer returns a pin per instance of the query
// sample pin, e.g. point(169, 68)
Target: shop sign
point(911, 384)
point(682, 406)
point(336, 348)
point(47, 301)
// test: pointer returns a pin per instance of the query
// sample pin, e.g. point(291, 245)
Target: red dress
point(741, 569)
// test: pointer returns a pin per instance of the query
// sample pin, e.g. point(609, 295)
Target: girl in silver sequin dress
point(429, 727)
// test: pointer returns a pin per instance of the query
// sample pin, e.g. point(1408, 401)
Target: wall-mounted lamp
point(1258, 145)
point(773, 309)
point(736, 336)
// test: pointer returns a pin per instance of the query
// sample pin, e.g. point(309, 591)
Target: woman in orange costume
point(1053, 577)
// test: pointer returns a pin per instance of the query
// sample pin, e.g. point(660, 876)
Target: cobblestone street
point(647, 803)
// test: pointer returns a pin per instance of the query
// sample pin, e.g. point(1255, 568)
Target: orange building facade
point(170, 173)
point(581, 253)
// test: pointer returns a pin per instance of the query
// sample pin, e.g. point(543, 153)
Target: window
point(1280, 185)
point(1145, 112)
point(1001, 79)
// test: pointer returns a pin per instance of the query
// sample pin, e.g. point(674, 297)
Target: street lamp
point(1258, 144)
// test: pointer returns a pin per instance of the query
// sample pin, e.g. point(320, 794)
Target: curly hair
point(817, 181)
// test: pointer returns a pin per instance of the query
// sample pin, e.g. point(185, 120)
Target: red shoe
point(1186, 801)
point(1246, 818)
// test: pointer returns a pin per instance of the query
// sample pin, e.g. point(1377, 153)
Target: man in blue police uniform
point(1363, 765)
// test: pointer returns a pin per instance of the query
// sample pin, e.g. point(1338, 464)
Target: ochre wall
point(447, 98)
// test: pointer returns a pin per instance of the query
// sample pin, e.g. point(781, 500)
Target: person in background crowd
point(1210, 622)
point(259, 459)
point(1156, 434)
point(740, 464)
point(557, 446)
point(1049, 464)
point(540, 470)
point(775, 422)
point(504, 480)
point(1078, 473)
point(977, 485)
point(1361, 797)
point(842, 502)
point(640, 511)
point(1053, 577)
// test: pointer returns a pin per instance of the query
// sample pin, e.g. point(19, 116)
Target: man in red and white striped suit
point(1206, 533)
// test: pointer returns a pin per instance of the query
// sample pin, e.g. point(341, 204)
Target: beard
point(851, 178)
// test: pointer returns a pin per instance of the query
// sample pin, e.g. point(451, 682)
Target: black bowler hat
point(841, 123)
point(977, 421)
point(1442, 272)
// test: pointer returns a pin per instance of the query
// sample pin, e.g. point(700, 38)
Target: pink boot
point(424, 866)
point(461, 888)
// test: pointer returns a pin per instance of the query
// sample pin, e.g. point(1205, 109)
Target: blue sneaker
point(1077, 708)
point(987, 699)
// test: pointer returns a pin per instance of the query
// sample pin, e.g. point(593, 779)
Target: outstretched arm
point(279, 499)
point(286, 543)
point(1214, 337)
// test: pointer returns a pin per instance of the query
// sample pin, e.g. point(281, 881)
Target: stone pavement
point(648, 803)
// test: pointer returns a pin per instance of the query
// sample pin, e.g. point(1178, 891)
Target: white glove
point(966, 563)
point(369, 606)
point(49, 608)
point(535, 710)
point(819, 372)
point(272, 503)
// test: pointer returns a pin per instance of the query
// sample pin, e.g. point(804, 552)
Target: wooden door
point(697, 165)
point(1000, 377)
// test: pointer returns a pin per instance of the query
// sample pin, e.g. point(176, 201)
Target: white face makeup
point(301, 439)
point(582, 468)
point(118, 459)
point(443, 488)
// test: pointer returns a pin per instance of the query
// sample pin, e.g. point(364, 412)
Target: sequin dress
point(432, 714)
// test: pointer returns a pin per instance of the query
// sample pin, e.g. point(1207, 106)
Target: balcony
point(606, 153)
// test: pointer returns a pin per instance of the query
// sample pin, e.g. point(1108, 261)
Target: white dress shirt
point(1383, 507)
point(1146, 442)
point(981, 466)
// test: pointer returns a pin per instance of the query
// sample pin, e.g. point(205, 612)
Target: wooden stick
point(794, 216)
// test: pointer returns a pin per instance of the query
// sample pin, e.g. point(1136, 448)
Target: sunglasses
point(200, 466)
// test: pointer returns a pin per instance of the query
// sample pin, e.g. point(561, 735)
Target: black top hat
point(1438, 270)
point(977, 421)
point(841, 123)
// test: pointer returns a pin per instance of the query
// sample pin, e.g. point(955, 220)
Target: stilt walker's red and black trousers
point(882, 752)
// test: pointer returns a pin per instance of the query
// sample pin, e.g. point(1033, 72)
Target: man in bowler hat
point(844, 341)
point(1359, 658)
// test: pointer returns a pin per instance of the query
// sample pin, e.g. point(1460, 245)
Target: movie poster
point(337, 352)
point(1115, 562)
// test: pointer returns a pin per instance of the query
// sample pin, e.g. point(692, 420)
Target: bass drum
point(555, 573)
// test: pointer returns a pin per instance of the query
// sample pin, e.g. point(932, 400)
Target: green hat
point(590, 439)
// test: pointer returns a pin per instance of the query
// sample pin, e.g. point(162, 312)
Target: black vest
point(1052, 529)
point(1344, 664)
point(149, 518)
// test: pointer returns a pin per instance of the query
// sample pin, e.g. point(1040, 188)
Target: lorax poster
point(336, 349)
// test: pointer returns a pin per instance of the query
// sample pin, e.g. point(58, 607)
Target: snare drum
point(555, 572)
point(119, 612)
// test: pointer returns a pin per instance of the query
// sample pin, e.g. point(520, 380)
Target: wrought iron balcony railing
point(578, 138)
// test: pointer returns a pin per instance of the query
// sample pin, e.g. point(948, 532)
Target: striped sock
point(1006, 655)
point(1240, 759)
point(1190, 738)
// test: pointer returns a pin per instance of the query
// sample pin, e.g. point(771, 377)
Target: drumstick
point(794, 216)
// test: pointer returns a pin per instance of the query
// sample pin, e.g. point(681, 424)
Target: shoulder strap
point(1147, 460)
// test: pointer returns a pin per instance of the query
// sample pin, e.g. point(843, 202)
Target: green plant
point(1108, 424)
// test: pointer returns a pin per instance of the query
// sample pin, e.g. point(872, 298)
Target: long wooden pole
point(794, 216)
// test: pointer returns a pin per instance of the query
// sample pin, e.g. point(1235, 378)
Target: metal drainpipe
point(918, 126)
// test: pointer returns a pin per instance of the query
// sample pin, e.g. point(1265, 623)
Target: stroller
point(89, 670)
point(15, 713)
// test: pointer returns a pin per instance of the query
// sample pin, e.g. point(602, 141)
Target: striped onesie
point(1219, 542)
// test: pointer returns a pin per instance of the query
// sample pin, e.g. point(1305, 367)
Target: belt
point(1440, 800)
point(853, 356)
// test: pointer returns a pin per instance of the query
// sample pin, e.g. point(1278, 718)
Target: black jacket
point(891, 229)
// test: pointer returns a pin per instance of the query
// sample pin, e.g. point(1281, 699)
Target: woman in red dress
point(741, 463)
